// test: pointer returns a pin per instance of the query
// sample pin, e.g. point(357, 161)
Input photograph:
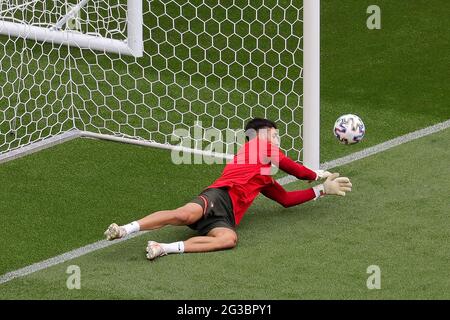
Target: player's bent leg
point(217, 239)
point(185, 215)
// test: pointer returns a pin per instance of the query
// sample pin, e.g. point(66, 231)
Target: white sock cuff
point(132, 227)
point(174, 247)
point(181, 246)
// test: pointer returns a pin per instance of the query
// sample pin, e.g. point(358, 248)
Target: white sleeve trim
point(318, 190)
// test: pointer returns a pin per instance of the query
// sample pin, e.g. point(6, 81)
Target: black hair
point(252, 127)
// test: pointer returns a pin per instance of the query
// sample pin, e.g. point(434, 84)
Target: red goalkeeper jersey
point(249, 173)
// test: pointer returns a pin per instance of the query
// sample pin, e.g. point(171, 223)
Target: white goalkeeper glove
point(322, 174)
point(334, 185)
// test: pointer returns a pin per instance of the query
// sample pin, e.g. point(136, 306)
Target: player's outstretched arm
point(334, 185)
point(288, 199)
point(277, 157)
point(300, 171)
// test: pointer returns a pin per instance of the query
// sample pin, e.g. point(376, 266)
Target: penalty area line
point(283, 181)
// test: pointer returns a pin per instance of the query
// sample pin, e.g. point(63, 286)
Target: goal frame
point(311, 83)
point(134, 47)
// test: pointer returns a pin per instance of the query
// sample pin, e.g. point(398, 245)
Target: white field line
point(375, 149)
point(41, 145)
point(285, 180)
point(62, 258)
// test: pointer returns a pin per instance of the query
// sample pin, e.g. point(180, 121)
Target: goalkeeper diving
point(217, 211)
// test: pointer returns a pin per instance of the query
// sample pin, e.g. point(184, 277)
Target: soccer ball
point(349, 129)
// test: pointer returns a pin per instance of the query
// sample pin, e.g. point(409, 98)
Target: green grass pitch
point(394, 78)
point(394, 218)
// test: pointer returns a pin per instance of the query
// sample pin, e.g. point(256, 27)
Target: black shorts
point(217, 211)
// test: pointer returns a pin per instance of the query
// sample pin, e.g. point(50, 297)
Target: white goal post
point(137, 70)
point(311, 84)
point(56, 33)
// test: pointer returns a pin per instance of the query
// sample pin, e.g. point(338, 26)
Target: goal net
point(138, 70)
